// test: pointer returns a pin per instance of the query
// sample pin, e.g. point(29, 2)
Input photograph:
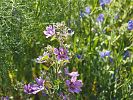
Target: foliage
point(22, 40)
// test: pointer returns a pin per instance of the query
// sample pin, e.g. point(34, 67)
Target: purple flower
point(50, 31)
point(130, 25)
point(87, 10)
point(40, 81)
point(126, 54)
point(61, 53)
point(5, 98)
point(32, 88)
point(74, 87)
point(66, 71)
point(43, 93)
point(104, 54)
point(100, 18)
point(104, 2)
point(63, 96)
point(42, 59)
point(73, 76)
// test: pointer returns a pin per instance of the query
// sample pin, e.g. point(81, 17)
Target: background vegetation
point(22, 23)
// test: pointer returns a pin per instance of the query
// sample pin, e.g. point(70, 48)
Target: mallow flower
point(130, 25)
point(50, 31)
point(61, 53)
point(40, 81)
point(74, 76)
point(32, 88)
point(74, 87)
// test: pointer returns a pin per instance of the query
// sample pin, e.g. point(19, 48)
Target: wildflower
point(62, 54)
point(66, 71)
point(50, 31)
point(116, 17)
point(40, 81)
point(78, 56)
point(126, 54)
point(5, 98)
point(71, 32)
point(106, 53)
point(32, 88)
point(130, 25)
point(44, 94)
point(73, 76)
point(110, 59)
point(63, 96)
point(81, 14)
point(100, 18)
point(87, 10)
point(42, 59)
point(74, 87)
point(104, 2)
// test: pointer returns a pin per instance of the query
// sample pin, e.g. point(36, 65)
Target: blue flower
point(70, 32)
point(100, 18)
point(104, 54)
point(130, 25)
point(104, 2)
point(87, 10)
point(126, 54)
point(78, 56)
point(111, 59)
point(81, 14)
